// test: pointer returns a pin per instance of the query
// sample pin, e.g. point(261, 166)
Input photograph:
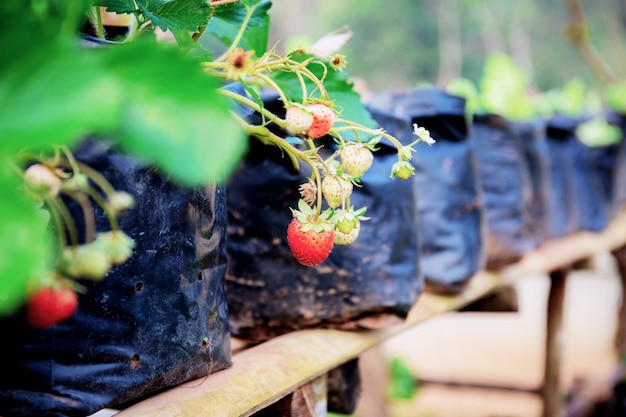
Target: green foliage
point(568, 100)
point(615, 95)
point(403, 384)
point(598, 132)
point(227, 21)
point(503, 88)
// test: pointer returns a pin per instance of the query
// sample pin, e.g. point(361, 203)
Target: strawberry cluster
point(53, 298)
point(313, 233)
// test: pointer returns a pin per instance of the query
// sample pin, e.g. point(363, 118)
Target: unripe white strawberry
point(335, 189)
point(298, 120)
point(356, 159)
point(43, 179)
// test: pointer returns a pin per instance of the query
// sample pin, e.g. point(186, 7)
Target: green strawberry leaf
point(24, 245)
point(228, 19)
point(118, 6)
point(175, 119)
point(176, 14)
point(53, 92)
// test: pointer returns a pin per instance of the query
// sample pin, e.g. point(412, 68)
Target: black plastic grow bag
point(506, 187)
point(534, 147)
point(270, 293)
point(157, 320)
point(451, 227)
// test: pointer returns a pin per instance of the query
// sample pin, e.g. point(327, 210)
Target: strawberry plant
point(160, 90)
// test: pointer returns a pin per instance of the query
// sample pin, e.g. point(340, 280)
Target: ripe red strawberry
point(50, 306)
point(356, 159)
point(309, 246)
point(298, 119)
point(335, 190)
point(323, 120)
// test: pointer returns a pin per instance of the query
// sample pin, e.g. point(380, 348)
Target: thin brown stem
point(579, 35)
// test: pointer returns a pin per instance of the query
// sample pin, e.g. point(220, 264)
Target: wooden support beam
point(552, 398)
point(619, 255)
point(308, 400)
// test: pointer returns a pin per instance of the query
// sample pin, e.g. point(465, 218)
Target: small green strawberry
point(310, 238)
point(403, 170)
point(323, 120)
point(85, 261)
point(356, 159)
point(336, 189)
point(343, 238)
point(298, 119)
point(117, 246)
point(348, 225)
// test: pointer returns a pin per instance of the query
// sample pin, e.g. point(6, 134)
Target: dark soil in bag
point(157, 320)
point(451, 226)
point(506, 187)
point(270, 293)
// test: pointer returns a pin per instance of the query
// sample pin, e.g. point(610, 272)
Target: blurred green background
point(410, 42)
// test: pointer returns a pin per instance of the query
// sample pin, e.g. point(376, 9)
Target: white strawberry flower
point(423, 134)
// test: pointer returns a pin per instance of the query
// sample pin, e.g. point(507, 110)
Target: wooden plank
point(551, 390)
point(265, 373)
point(308, 400)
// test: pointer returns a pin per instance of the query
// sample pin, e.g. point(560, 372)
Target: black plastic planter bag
point(534, 146)
point(157, 320)
point(593, 181)
point(564, 212)
point(451, 226)
point(506, 188)
point(270, 293)
point(617, 193)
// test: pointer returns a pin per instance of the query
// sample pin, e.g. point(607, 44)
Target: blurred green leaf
point(118, 6)
point(229, 18)
point(54, 93)
point(464, 87)
point(503, 88)
point(402, 384)
point(175, 14)
point(615, 95)
point(174, 118)
point(23, 241)
point(598, 132)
